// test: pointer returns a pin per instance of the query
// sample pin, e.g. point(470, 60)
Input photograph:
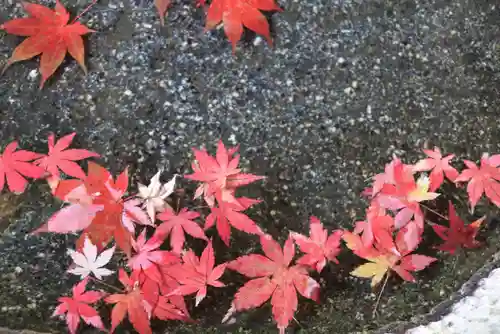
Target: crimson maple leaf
point(50, 35)
point(227, 214)
point(76, 307)
point(483, 179)
point(319, 247)
point(274, 278)
point(132, 302)
point(176, 224)
point(14, 166)
point(235, 14)
point(440, 166)
point(219, 174)
point(458, 235)
point(59, 157)
point(196, 274)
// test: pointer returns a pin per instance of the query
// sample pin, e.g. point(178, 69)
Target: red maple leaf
point(403, 195)
point(169, 269)
point(196, 274)
point(148, 257)
point(235, 14)
point(482, 180)
point(274, 278)
point(59, 157)
point(219, 174)
point(378, 227)
point(458, 235)
point(164, 307)
point(76, 307)
point(49, 35)
point(131, 303)
point(14, 166)
point(319, 247)
point(381, 260)
point(440, 166)
point(178, 224)
point(227, 214)
point(98, 208)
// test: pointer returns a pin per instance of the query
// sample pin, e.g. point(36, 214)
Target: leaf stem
point(84, 11)
point(374, 313)
point(105, 284)
point(434, 212)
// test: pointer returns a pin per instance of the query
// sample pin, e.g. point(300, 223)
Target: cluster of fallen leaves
point(51, 34)
point(394, 223)
point(156, 279)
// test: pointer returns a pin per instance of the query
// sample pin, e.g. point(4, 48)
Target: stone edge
point(443, 308)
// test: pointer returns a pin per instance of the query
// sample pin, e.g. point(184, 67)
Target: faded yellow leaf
point(376, 269)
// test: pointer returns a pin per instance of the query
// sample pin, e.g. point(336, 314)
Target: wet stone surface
point(347, 84)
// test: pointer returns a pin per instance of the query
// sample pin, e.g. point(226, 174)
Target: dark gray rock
point(347, 84)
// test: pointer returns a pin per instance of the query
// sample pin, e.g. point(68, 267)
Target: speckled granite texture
point(347, 84)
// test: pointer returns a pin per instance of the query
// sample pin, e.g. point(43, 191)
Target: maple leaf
point(382, 260)
point(170, 267)
point(405, 195)
point(133, 213)
point(235, 14)
point(319, 247)
point(482, 180)
point(196, 274)
point(88, 262)
point(154, 194)
point(76, 307)
point(227, 214)
point(219, 174)
point(148, 257)
point(178, 224)
point(97, 208)
point(50, 35)
point(131, 303)
point(457, 234)
point(166, 309)
point(59, 157)
point(274, 278)
point(14, 166)
point(387, 177)
point(162, 7)
point(378, 227)
point(440, 166)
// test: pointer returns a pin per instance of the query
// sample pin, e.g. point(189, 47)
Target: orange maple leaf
point(162, 7)
point(235, 14)
point(50, 35)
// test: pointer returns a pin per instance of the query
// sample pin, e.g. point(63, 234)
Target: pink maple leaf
point(59, 157)
point(227, 214)
point(482, 180)
point(176, 224)
point(15, 166)
point(440, 167)
point(272, 277)
point(147, 257)
point(319, 247)
point(76, 307)
point(196, 274)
